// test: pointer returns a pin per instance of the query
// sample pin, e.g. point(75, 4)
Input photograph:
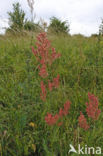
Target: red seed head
point(92, 107)
point(83, 122)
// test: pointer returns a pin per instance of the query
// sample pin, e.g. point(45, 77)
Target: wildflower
point(66, 107)
point(31, 124)
point(83, 122)
point(61, 112)
point(56, 81)
point(54, 54)
point(42, 61)
point(92, 107)
point(33, 147)
point(43, 72)
point(50, 85)
point(42, 53)
point(50, 119)
point(55, 118)
point(42, 39)
point(43, 91)
point(43, 46)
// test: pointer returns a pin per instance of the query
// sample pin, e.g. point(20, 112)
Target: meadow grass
point(23, 130)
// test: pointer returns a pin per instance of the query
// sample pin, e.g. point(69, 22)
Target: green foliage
point(17, 17)
point(101, 28)
point(30, 26)
point(81, 70)
point(57, 26)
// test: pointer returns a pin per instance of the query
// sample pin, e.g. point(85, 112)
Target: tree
point(101, 28)
point(57, 26)
point(17, 17)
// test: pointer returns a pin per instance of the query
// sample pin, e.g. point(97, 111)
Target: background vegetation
point(57, 26)
point(23, 131)
point(18, 22)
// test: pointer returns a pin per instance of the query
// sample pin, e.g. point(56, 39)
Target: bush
point(30, 26)
point(57, 26)
point(17, 17)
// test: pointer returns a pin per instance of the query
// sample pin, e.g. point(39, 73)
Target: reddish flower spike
point(92, 107)
point(51, 120)
point(43, 72)
point(83, 122)
point(56, 81)
point(66, 107)
point(61, 112)
point(50, 85)
point(54, 54)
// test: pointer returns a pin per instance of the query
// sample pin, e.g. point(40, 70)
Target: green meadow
point(23, 130)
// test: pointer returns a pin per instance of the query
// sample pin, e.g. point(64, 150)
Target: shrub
point(30, 26)
point(57, 26)
point(17, 17)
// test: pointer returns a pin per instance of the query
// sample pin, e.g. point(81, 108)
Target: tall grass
point(23, 130)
